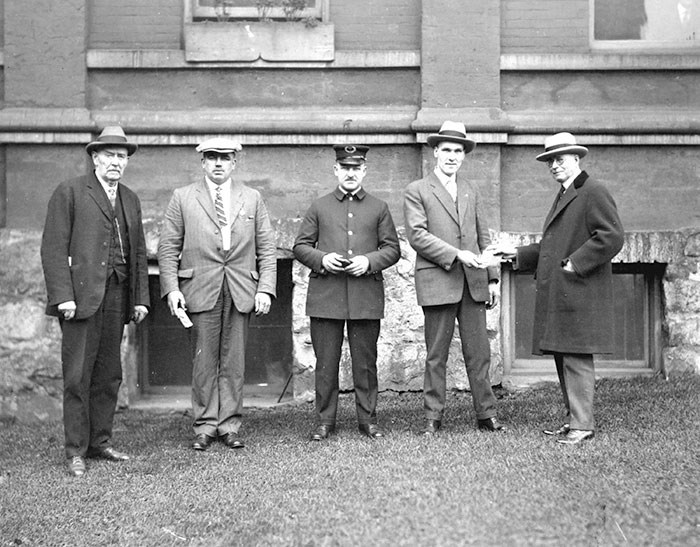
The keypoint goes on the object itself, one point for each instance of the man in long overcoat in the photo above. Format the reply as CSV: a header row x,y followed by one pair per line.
x,y
94,257
217,258
347,238
572,263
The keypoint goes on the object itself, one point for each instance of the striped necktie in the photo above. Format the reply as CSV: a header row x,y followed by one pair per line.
x,y
219,206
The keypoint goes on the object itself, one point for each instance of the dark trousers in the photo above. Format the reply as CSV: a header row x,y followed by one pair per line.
x,y
577,381
218,366
439,329
327,340
92,371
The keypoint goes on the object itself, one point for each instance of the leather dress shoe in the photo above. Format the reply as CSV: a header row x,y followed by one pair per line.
x,y
576,436
373,431
563,430
491,424
232,440
109,453
321,432
76,466
202,442
431,427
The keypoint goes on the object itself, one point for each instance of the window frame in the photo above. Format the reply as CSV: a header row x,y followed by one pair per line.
x,y
637,46
195,12
542,365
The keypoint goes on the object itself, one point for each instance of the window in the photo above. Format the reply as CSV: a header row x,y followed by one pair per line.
x,y
253,9
641,24
637,289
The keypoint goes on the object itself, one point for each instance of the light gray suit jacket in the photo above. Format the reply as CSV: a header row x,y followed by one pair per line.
x,y
190,252
437,228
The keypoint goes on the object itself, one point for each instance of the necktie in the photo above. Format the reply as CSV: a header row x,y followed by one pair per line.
x,y
219,206
112,194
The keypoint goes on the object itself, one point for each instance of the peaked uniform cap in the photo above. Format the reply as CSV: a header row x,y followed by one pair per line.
x,y
112,135
350,154
452,132
561,143
222,145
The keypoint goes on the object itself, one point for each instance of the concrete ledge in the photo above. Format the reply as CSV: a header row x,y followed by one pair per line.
x,y
175,58
599,61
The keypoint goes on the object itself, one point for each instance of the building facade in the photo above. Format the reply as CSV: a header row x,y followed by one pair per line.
x,y
622,75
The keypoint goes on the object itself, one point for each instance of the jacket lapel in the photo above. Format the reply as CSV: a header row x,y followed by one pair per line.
x,y
95,191
204,199
236,202
443,196
561,203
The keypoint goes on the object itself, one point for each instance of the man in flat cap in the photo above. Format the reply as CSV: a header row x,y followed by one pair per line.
x,y
217,258
347,238
447,226
574,301
93,253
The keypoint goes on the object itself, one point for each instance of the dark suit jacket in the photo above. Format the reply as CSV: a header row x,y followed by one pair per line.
x,y
437,229
75,246
190,255
574,311
364,226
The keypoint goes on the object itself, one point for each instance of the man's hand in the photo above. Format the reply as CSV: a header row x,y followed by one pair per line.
x,y
493,296
469,259
140,313
504,249
176,300
358,266
67,309
263,303
334,263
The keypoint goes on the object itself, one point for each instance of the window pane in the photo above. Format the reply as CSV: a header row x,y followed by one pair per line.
x,y
674,21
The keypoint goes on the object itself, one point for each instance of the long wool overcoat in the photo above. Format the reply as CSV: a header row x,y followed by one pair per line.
x,y
574,311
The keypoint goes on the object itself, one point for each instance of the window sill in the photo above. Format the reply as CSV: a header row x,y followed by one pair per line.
x,y
253,40
600,61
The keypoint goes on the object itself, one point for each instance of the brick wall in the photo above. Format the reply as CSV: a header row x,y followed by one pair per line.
x,y
157,24
134,24
544,26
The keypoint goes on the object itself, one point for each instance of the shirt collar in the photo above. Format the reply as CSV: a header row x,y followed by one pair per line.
x,y
443,178
340,194
213,186
568,182
105,184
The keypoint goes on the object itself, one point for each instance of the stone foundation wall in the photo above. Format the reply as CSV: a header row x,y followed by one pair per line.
x,y
30,367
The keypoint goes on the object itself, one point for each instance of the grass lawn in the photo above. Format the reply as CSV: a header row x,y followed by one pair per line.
x,y
636,483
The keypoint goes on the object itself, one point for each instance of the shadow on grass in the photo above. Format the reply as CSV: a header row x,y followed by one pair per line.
x,y
636,483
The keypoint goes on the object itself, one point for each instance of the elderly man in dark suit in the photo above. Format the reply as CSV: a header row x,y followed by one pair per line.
x,y
347,238
574,303
217,258
94,257
446,225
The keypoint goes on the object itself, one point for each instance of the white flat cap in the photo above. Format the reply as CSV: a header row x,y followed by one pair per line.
x,y
221,145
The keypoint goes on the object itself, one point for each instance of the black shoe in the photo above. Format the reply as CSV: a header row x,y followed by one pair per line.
x,y
202,442
321,432
76,466
563,430
491,424
109,453
431,427
373,431
232,440
576,436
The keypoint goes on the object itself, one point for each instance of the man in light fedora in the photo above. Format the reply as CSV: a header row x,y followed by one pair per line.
x,y
574,302
447,227
94,257
217,258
